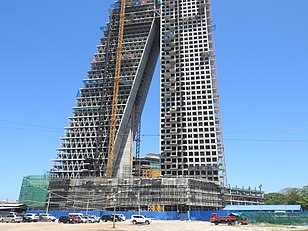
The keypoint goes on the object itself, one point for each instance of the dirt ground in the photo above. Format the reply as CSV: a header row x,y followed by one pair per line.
x,y
154,226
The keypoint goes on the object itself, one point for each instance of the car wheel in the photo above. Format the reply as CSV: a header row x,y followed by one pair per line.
x,y
147,222
13,221
134,222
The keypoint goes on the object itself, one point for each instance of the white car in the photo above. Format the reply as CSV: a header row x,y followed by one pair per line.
x,y
47,217
96,219
139,219
12,218
90,219
33,216
121,216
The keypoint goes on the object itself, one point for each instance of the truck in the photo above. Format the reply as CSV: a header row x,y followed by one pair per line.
x,y
217,219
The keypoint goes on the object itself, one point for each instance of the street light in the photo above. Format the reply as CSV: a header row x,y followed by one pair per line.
x,y
114,208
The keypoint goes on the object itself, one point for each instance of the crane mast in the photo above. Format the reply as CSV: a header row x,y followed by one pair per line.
x,y
117,77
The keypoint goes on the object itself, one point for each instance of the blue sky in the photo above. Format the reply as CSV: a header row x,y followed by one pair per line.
x,y
261,51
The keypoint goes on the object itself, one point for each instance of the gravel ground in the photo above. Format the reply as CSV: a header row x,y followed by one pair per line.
x,y
154,226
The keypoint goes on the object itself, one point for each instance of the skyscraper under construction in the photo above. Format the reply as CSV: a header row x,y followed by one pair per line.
x,y
115,91
191,140
98,143
191,143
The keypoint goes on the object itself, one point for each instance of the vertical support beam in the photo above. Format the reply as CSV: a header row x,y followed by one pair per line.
x,y
131,144
137,172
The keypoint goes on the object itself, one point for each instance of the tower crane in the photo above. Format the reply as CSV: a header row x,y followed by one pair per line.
x,y
117,79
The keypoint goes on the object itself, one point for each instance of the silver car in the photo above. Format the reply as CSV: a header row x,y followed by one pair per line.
x,y
12,218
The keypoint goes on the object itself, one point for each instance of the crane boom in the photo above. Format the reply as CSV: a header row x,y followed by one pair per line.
x,y
113,119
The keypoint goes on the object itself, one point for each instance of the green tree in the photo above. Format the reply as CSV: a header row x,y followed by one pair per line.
x,y
303,200
289,196
275,198
292,195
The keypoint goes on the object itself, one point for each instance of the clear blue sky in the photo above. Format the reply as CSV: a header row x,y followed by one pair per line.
x,y
261,51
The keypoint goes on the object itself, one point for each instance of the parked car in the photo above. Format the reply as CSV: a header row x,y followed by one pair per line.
x,y
26,219
79,216
139,219
12,218
1,219
121,217
33,216
47,217
66,219
107,218
76,219
90,219
96,219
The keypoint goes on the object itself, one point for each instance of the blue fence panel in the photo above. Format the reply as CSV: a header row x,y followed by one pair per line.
x,y
200,215
166,215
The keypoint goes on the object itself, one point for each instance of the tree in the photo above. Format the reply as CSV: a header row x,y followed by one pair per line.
x,y
292,195
303,200
275,198
289,196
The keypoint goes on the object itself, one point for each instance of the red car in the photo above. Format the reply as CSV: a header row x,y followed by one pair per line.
x,y
76,219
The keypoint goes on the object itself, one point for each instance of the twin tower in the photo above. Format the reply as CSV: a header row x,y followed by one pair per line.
x,y
180,32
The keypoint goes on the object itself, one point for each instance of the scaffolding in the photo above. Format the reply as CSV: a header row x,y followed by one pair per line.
x,y
84,148
167,194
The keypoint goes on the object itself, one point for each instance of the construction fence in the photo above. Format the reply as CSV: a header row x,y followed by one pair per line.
x,y
294,218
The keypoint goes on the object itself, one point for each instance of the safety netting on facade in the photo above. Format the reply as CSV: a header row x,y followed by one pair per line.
x,y
33,191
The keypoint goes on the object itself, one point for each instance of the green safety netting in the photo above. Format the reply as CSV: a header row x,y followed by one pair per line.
x,y
280,218
33,191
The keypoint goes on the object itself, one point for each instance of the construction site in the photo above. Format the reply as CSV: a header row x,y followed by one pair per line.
x,y
99,165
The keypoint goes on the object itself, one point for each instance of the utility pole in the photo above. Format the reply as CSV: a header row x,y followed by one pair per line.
x,y
87,207
114,207
138,202
48,202
114,213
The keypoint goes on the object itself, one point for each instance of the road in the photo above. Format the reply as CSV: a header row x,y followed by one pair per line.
x,y
154,226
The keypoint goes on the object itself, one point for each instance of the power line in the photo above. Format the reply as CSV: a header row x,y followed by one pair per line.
x,y
28,129
157,135
61,129
27,124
